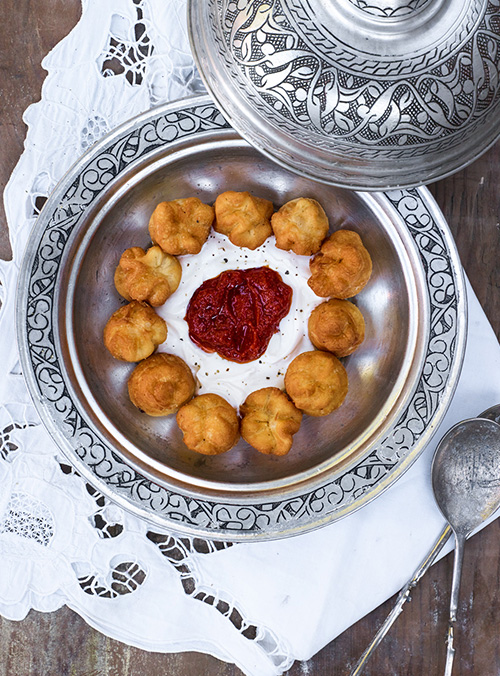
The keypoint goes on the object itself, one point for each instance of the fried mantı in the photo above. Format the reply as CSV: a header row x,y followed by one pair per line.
x,y
151,275
316,382
134,332
269,421
161,384
181,226
209,424
300,225
336,326
243,218
342,267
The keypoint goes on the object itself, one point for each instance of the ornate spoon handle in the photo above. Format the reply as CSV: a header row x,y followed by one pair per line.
x,y
403,596
455,590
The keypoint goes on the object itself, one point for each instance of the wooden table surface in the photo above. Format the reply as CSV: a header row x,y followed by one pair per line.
x,y
62,643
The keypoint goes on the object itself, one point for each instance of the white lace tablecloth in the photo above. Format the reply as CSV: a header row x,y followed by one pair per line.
x,y
263,605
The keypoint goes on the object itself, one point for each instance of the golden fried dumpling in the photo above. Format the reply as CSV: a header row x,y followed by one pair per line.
x,y
161,384
269,421
300,225
243,218
151,275
181,226
209,423
342,267
316,382
134,332
336,326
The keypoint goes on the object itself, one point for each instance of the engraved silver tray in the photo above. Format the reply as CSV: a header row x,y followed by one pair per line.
x,y
401,381
365,94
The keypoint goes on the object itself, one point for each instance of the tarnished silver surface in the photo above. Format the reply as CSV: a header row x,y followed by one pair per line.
x,y
466,473
400,382
466,484
365,94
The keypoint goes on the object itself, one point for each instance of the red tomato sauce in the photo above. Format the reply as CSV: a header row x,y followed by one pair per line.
x,y
236,313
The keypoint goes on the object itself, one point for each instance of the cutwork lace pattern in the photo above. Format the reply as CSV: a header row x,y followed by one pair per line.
x,y
126,56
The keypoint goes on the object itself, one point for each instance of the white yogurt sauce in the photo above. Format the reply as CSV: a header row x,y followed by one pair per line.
x,y
229,379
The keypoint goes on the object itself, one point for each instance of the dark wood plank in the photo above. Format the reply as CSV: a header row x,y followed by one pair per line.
x,y
29,31
62,643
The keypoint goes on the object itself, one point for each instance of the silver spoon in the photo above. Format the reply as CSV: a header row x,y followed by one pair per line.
x,y
466,483
492,414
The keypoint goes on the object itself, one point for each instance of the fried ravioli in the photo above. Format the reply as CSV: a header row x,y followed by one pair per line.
x,y
161,384
336,326
269,421
316,382
300,225
243,218
181,226
134,332
209,424
150,276
342,267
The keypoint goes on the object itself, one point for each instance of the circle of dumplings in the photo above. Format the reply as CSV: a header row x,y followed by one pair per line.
x,y
339,264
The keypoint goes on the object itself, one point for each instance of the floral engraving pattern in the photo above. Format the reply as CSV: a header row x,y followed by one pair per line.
x,y
204,516
310,82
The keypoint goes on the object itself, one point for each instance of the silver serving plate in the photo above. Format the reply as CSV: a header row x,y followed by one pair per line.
x,y
401,380
364,94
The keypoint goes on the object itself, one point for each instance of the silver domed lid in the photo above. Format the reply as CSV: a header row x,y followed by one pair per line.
x,y
366,94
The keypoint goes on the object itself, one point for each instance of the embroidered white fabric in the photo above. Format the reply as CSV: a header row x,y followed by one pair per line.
x,y
61,542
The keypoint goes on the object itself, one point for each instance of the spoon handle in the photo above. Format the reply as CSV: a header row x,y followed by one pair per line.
x,y
455,591
403,596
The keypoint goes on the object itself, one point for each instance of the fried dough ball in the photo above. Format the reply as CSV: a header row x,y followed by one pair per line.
x,y
300,225
316,382
210,425
336,326
269,421
134,332
342,267
181,226
150,275
161,384
243,218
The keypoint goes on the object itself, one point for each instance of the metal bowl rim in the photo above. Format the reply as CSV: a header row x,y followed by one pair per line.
x,y
158,519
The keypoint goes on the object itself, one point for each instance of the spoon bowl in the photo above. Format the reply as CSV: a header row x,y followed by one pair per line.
x,y
466,473
466,484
